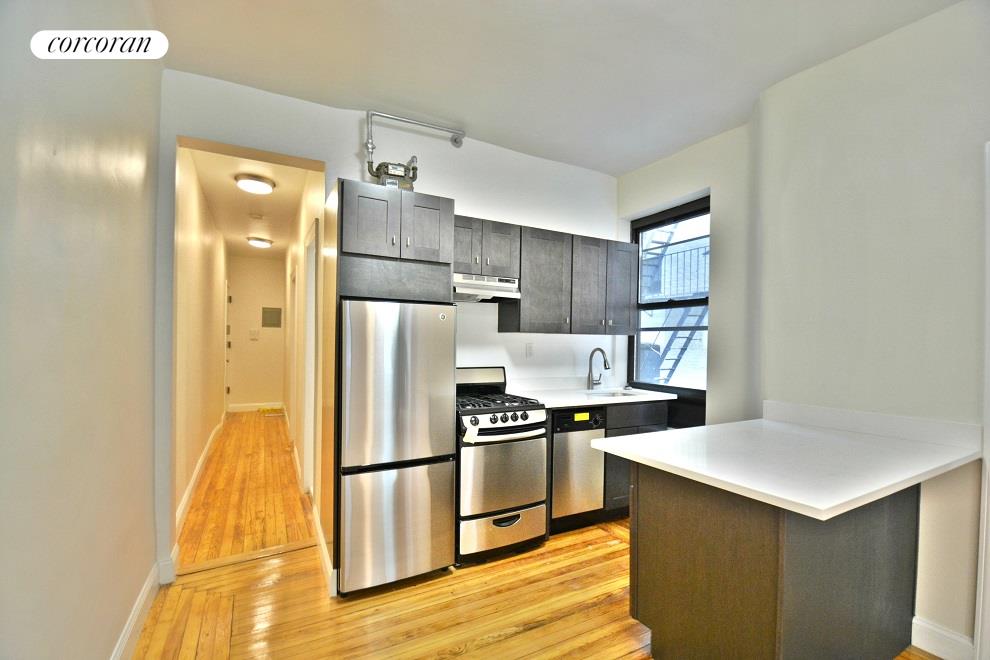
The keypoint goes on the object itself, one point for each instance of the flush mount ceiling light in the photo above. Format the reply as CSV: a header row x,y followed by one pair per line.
x,y
254,241
256,185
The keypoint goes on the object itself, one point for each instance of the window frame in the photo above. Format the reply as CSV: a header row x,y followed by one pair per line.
x,y
685,211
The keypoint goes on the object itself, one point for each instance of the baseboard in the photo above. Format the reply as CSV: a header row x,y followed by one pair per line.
x,y
329,574
128,639
250,407
941,641
183,508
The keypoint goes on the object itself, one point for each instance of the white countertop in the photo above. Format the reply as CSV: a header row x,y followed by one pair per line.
x,y
815,471
568,398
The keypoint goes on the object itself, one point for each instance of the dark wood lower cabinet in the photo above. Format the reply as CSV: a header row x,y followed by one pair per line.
x,y
718,575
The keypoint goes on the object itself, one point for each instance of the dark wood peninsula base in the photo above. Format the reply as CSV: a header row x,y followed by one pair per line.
x,y
718,575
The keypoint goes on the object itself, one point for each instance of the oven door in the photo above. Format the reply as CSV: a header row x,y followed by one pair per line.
x,y
495,477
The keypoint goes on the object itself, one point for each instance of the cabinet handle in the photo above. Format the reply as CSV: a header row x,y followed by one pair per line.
x,y
393,239
610,321
477,260
408,241
567,320
488,261
603,321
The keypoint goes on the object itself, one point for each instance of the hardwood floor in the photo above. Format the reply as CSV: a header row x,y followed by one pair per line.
x,y
568,598
248,496
913,653
251,583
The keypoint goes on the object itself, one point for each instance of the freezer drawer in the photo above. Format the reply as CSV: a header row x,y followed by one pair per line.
x,y
578,473
397,382
395,524
503,476
499,531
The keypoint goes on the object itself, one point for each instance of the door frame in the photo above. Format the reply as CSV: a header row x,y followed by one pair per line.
x,y
981,627
310,355
164,368
226,345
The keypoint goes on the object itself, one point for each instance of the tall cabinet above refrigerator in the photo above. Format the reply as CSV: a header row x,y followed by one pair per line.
x,y
397,442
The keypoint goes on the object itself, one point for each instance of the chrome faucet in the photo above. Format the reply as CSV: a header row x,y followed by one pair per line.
x,y
592,381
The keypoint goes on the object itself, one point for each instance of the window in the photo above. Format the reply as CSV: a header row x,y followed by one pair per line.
x,y
671,346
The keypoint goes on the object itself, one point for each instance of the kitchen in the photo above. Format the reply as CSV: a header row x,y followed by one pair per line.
x,y
520,470
842,162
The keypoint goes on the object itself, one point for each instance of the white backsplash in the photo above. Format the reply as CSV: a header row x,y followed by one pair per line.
x,y
534,361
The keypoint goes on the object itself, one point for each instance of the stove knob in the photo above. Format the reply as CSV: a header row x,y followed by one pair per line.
x,y
505,417
494,419
515,417
524,416
596,421
474,421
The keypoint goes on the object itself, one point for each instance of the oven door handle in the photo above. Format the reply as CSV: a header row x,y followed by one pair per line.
x,y
507,521
482,439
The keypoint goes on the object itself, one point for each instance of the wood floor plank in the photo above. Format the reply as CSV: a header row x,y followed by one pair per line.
x,y
248,497
177,627
157,630
208,628
914,653
194,623
225,616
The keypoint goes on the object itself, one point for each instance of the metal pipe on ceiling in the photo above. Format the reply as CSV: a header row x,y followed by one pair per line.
x,y
456,134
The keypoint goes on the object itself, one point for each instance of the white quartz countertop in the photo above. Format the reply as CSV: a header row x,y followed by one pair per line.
x,y
815,471
573,398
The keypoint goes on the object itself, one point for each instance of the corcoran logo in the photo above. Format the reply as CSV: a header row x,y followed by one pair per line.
x,y
99,45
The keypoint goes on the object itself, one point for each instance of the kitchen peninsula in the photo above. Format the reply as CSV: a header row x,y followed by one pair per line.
x,y
790,536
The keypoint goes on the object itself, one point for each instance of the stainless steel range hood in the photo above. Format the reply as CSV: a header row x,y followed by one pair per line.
x,y
473,288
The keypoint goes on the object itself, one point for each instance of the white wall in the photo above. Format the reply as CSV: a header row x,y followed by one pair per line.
x,y
721,167
78,142
293,386
257,365
871,190
847,218
485,180
200,271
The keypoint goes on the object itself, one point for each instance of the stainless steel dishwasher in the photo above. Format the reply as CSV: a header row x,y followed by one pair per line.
x,y
578,470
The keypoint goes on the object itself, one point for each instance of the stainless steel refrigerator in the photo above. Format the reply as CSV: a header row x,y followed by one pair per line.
x,y
397,442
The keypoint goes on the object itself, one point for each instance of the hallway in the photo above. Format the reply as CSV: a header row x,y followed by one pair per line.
x,y
247,498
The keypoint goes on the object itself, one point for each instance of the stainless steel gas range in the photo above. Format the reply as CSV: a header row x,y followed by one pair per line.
x,y
502,465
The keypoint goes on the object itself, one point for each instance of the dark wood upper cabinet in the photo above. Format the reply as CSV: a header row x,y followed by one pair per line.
x,y
427,227
388,222
545,285
500,249
485,247
370,219
622,290
588,285
467,245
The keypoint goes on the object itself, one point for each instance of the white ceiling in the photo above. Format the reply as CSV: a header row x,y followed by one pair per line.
x,y
232,208
608,85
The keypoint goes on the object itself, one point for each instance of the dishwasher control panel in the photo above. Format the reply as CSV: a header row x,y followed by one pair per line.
x,y
579,420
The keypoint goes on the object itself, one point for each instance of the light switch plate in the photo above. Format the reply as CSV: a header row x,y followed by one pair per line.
x,y
254,334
